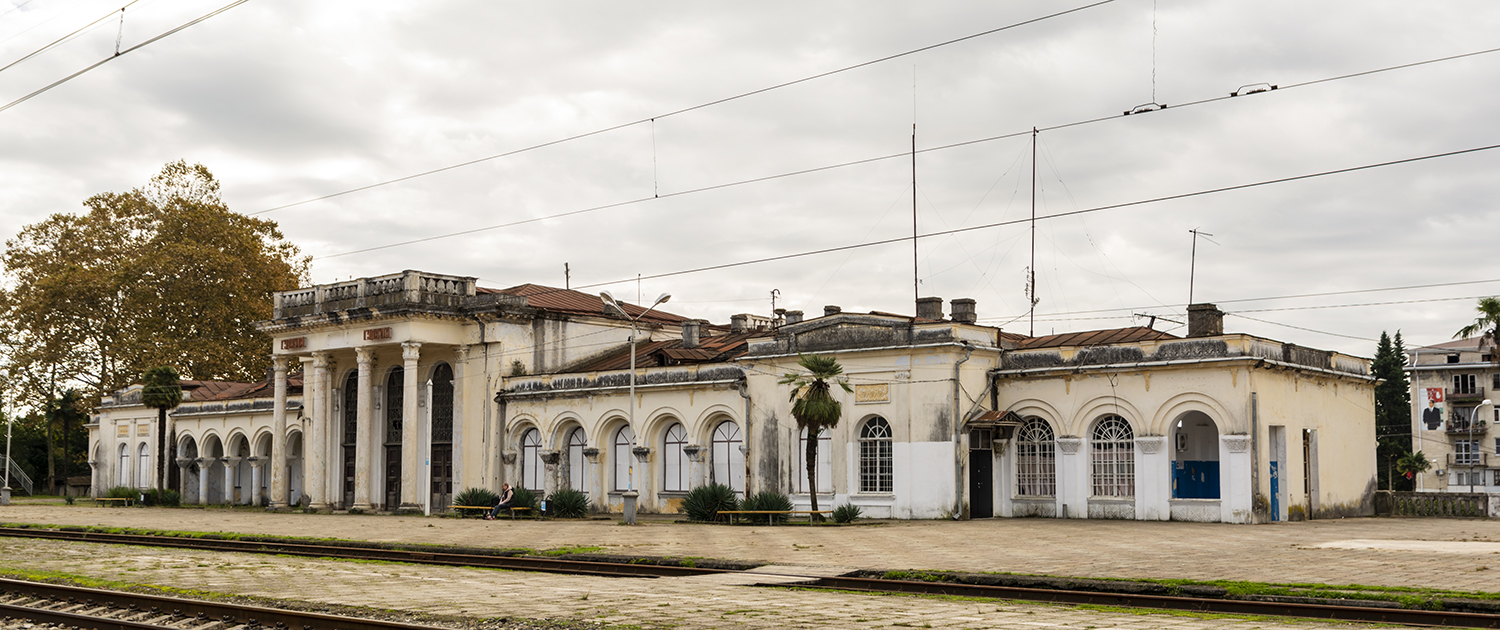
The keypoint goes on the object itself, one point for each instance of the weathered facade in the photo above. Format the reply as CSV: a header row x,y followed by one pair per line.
x,y
414,386
1450,420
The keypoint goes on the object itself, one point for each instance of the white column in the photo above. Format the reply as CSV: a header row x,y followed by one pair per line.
x,y
333,450
1235,494
411,428
365,357
314,444
1153,479
1072,478
460,369
183,463
231,468
278,437
205,464
257,475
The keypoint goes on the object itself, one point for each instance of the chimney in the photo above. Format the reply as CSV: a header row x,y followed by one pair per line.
x,y
962,311
1205,320
739,323
930,308
831,310
794,317
691,331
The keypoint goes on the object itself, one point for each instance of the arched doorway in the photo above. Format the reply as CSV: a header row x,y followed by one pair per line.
x,y
350,432
191,474
395,402
442,436
1195,457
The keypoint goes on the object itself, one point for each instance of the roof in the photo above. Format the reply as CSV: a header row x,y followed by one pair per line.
x,y
232,390
1471,343
1096,338
670,352
579,303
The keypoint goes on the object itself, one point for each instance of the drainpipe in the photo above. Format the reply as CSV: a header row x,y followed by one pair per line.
x,y
745,393
958,454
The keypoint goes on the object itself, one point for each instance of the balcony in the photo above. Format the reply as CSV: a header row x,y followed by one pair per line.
x,y
1468,460
1460,426
408,288
1471,396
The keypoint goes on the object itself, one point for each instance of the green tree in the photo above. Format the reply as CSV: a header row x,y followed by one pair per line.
x,y
161,390
165,274
64,417
1487,325
1392,409
815,407
1413,464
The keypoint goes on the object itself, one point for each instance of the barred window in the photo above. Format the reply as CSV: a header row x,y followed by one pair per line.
x,y
1036,460
442,404
1113,450
395,403
674,462
531,459
876,462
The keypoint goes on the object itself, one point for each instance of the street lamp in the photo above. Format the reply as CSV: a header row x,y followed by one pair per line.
x,y
609,302
1473,448
5,489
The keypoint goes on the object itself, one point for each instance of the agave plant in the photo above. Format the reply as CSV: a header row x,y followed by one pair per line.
x,y
568,503
704,503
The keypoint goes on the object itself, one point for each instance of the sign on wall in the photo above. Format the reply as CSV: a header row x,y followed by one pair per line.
x,y
1432,408
143,430
295,343
376,334
122,430
872,393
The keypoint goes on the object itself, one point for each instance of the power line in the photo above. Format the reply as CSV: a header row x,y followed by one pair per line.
x,y
69,35
1321,332
122,53
652,119
765,178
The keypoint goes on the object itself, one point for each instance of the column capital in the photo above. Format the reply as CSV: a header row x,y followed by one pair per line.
x,y
278,363
461,353
320,359
364,357
411,351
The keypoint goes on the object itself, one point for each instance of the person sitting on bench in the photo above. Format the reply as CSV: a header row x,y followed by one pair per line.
x,y
502,502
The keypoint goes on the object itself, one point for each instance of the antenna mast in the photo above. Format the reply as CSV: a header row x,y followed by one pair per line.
x,y
1193,260
1031,270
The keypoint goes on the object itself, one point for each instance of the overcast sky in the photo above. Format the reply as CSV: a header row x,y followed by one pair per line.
x,y
288,101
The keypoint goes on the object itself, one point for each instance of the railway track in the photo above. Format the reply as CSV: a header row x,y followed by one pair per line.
x,y
250,617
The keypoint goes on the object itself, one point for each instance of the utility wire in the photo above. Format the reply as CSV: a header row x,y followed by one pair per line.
x,y
687,109
122,53
806,171
70,35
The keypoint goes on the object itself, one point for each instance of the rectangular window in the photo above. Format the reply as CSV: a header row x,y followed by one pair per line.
x,y
1453,358
1495,381
1496,480
1465,452
875,466
1464,384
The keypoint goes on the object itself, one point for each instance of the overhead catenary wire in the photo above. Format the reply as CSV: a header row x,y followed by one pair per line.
x,y
64,38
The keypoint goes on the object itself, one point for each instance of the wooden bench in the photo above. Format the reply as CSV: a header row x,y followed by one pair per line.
x,y
102,501
488,508
735,513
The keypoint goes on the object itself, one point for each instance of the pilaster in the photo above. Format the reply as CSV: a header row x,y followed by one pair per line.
x,y
1153,479
460,369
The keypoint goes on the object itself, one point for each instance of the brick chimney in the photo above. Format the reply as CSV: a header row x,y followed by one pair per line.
x,y
962,311
1205,320
930,308
692,330
794,317
831,310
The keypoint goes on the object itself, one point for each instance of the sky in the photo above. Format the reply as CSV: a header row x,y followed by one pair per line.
x,y
291,102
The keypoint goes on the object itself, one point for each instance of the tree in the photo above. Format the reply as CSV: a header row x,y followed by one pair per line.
x,y
1487,325
69,411
814,406
1413,464
165,274
161,390
1392,408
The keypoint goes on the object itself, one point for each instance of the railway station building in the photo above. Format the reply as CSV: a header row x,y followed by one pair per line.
x,y
393,393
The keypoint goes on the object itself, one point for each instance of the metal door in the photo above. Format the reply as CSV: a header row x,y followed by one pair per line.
x,y
981,475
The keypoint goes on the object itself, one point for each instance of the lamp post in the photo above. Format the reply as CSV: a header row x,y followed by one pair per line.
x,y
609,301
5,489
1473,448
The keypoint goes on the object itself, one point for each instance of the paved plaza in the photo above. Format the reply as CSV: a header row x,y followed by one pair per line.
x,y
1441,553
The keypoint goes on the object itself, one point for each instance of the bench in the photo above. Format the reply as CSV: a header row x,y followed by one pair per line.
x,y
485,508
735,513
102,501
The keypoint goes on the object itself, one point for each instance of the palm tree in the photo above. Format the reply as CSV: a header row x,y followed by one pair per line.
x,y
161,389
814,407
1413,464
1487,325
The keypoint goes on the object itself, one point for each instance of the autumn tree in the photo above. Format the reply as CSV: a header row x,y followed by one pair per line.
x,y
164,274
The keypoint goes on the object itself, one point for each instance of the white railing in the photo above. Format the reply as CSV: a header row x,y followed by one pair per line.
x,y
407,287
16,474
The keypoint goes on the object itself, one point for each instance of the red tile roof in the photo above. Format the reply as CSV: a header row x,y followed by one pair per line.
x,y
579,303
1096,338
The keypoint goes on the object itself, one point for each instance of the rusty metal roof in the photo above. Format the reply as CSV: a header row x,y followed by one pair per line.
x,y
1096,338
233,390
579,303
715,349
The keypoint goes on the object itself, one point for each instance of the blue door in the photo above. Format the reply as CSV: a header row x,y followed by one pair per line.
x,y
1275,491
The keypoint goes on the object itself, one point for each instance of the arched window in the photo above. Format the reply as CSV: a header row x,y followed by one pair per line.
x,y
145,479
876,463
395,403
1113,450
825,462
674,462
1036,461
728,459
531,460
442,435
122,473
621,456
578,464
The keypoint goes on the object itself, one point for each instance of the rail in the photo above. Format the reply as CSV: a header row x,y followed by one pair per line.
x,y
16,474
1450,504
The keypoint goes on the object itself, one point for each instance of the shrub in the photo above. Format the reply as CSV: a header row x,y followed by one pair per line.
x,y
768,500
122,492
68,499
704,503
524,498
846,513
568,503
170,498
479,497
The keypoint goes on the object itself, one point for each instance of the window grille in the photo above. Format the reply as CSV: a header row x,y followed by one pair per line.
x,y
876,462
442,404
531,460
351,411
674,462
1113,450
621,456
728,459
577,463
1036,460
395,400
